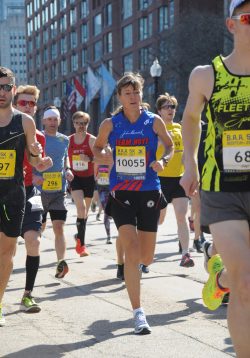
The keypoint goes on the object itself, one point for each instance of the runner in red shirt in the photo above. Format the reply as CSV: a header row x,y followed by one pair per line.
x,y
82,166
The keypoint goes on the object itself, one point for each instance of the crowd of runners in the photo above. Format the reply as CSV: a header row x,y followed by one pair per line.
x,y
138,163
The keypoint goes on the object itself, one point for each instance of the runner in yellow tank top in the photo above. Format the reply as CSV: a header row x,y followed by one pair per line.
x,y
170,177
225,198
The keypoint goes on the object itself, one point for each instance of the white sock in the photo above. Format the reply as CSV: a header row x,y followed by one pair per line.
x,y
140,309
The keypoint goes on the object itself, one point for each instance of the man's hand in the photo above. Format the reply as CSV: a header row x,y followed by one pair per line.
x,y
35,149
190,181
44,164
69,175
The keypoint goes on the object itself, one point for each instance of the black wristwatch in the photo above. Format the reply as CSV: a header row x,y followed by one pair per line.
x,y
165,161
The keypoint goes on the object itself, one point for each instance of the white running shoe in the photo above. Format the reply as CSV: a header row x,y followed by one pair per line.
x,y
141,324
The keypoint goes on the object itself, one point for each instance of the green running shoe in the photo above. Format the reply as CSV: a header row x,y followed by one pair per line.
x,y
212,295
2,319
28,304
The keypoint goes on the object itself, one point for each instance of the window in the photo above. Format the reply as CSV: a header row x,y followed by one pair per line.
x,y
53,9
109,44
53,29
54,71
63,45
37,40
45,36
144,4
63,22
108,14
45,55
127,34
127,8
128,62
72,16
143,58
63,4
85,8
97,50
74,62
171,13
73,39
53,51
110,66
63,67
84,56
97,24
145,27
85,32
163,18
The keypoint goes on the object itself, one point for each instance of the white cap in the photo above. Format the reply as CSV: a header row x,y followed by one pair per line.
x,y
51,112
233,5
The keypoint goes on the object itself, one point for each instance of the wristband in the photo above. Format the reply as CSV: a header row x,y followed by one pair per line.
x,y
34,155
165,161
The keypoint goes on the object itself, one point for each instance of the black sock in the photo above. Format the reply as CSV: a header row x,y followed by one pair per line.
x,y
81,228
32,265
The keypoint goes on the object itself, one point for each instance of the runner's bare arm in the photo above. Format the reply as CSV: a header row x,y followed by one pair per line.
x,y
103,156
160,129
200,89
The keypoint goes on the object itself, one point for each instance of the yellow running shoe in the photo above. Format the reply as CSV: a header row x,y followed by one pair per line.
x,y
212,295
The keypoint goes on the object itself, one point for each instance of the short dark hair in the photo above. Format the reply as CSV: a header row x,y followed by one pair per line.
x,y
6,72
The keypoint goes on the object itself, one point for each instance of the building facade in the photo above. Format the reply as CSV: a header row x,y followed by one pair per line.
x,y
13,38
64,37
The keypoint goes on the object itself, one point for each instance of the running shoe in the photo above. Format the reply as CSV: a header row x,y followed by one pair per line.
x,y
141,324
202,238
206,246
198,246
2,319
120,272
108,240
212,294
144,268
191,224
28,304
83,252
98,217
62,269
187,261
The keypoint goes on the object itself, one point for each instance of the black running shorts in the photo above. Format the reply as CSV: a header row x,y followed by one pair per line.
x,y
137,208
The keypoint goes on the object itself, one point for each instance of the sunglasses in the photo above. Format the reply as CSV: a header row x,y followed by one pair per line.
x,y
81,123
7,87
24,103
244,18
169,106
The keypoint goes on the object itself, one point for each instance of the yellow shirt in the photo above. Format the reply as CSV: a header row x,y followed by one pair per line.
x,y
175,167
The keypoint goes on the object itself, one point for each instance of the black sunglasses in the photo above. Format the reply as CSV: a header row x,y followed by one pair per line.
x,y
167,106
7,87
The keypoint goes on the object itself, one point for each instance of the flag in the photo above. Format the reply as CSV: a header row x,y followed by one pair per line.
x,y
80,92
93,86
64,110
71,97
107,89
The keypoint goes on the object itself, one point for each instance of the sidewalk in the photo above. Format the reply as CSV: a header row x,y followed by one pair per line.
x,y
88,312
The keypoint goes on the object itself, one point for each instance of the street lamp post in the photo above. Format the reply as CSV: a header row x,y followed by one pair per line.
x,y
155,72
